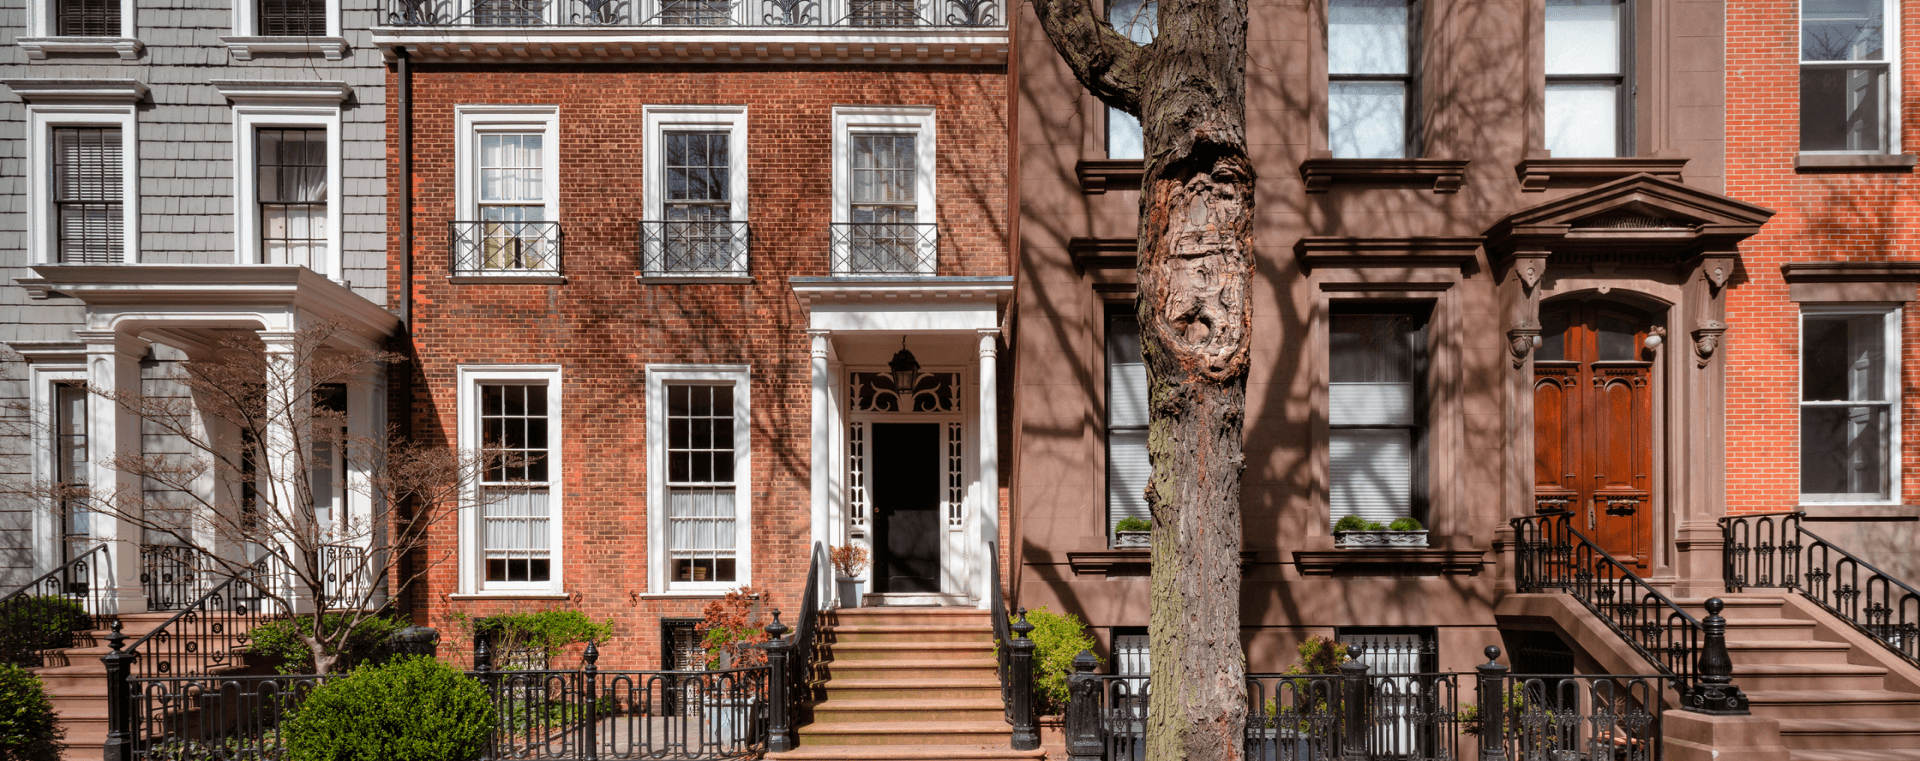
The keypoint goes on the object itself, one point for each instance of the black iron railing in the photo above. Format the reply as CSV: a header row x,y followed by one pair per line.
x,y
345,575
213,632
874,14
885,248
505,248
57,609
174,576
791,662
210,717
693,247
1552,556
1002,634
1775,551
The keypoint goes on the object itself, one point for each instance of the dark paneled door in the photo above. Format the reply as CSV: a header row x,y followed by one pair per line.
x,y
1593,424
905,470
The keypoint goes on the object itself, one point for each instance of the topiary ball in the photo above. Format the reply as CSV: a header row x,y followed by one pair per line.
x,y
411,709
29,730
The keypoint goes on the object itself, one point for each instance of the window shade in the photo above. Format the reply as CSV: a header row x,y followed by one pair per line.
x,y
1128,468
1127,473
1370,403
1369,473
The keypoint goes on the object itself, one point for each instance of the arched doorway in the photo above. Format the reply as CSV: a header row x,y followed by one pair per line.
x,y
1593,423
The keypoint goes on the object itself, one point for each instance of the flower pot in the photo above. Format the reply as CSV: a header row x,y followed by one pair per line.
x,y
1132,539
851,591
1379,539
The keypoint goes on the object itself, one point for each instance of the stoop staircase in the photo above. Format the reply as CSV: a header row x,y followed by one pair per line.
x,y
908,683
1829,708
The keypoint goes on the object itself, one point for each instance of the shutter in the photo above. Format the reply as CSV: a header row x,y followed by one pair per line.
x,y
1370,403
1127,474
1369,474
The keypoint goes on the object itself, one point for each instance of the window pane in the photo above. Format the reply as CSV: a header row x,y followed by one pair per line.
x,y
1582,120
1124,139
1370,473
1843,358
87,18
1616,339
1843,452
1367,120
87,186
1553,338
1137,20
1840,108
293,18
1842,30
1367,37
1126,373
1128,471
1583,37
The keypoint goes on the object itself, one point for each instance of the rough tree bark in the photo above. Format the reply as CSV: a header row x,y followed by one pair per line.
x,y
1188,87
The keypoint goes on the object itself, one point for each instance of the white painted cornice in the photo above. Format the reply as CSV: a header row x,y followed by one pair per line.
x,y
323,92
158,296
78,90
694,44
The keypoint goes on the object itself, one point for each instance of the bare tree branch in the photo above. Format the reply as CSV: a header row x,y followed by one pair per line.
x,y
1104,60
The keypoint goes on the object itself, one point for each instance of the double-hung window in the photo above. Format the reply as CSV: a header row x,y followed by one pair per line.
x,y
696,182
1587,89
292,18
1849,411
86,18
507,196
88,195
1370,78
70,472
1845,69
1139,20
291,171
883,192
1377,413
699,473
287,139
1127,466
511,418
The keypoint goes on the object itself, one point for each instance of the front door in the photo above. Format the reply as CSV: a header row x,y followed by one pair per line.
x,y
907,471
1593,420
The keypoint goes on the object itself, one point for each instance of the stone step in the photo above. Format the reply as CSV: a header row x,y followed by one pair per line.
x,y
982,752
1768,676
1837,754
882,651
933,616
909,710
1850,734
1738,606
908,633
942,732
1788,651
931,668
1770,629
899,689
1859,705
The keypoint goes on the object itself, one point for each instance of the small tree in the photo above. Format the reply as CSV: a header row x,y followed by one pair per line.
x,y
241,431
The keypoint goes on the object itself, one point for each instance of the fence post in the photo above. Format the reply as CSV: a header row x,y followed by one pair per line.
x,y
1083,711
1493,707
1353,701
592,675
779,729
1713,691
120,713
1026,733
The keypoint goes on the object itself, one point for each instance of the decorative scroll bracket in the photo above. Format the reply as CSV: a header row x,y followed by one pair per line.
x,y
1530,266
1706,340
1520,339
1717,269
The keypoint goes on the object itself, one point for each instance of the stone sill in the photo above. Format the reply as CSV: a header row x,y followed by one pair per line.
x,y
245,48
1445,175
1537,172
1101,175
38,48
693,279
1125,562
1857,162
511,596
507,279
1315,252
1383,560
1826,512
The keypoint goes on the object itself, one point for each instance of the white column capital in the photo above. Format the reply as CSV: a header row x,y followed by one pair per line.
x,y
112,342
818,346
989,341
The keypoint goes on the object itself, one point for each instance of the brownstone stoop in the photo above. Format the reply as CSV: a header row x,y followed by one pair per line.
x,y
908,683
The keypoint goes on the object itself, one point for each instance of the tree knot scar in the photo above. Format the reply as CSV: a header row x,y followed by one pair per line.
x,y
1208,267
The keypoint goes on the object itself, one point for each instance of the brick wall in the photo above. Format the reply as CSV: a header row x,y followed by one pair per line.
x,y
1834,216
602,327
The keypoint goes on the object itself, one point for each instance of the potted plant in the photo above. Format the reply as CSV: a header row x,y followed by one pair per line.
x,y
1354,531
732,631
1132,532
849,560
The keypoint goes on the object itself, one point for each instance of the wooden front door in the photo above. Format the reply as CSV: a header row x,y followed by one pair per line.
x,y
1593,424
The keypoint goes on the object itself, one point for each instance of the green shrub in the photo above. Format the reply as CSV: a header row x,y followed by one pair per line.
x,y
1356,523
1319,655
412,709
1057,639
1405,524
28,729
282,640
49,620
1133,524
541,635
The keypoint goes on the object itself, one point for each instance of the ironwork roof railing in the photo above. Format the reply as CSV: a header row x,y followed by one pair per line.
x,y
878,15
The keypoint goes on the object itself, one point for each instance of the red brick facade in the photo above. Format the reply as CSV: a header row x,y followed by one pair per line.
x,y
602,327
1848,215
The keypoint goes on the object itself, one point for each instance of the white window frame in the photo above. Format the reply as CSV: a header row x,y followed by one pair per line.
x,y
42,226
248,119
1893,456
46,523
40,38
659,562
470,122
472,554
919,120
247,41
1892,101
658,120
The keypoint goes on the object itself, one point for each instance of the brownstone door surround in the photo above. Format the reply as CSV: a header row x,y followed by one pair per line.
x,y
1593,422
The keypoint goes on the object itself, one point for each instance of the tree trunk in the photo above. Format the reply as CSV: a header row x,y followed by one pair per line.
x,y
1188,87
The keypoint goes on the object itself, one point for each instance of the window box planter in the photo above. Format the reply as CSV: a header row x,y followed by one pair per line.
x,y
1132,538
1379,539
850,590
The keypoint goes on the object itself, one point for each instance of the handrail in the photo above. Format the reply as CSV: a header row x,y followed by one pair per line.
x,y
1772,550
82,589
224,615
1002,634
807,636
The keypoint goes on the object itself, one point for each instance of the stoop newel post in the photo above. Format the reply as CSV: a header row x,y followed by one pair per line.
x,y
779,722
1713,691
120,697
1353,706
1493,707
1083,711
1026,732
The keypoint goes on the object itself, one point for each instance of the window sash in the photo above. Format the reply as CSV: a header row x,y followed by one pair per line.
x,y
1367,119
702,493
292,18
1844,107
1849,413
291,169
516,535
512,167
87,18
88,187
1140,22
1128,466
884,170
1843,34
697,167
1583,118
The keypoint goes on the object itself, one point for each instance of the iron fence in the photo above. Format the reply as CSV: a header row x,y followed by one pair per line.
x,y
173,576
873,14
885,248
693,247
1776,551
345,574
1554,717
213,632
505,248
56,610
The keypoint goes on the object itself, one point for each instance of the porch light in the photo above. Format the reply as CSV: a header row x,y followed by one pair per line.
x,y
905,369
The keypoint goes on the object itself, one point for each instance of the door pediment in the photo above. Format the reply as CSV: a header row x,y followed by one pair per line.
x,y
1633,217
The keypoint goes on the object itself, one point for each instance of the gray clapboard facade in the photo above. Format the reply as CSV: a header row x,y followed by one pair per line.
x,y
157,157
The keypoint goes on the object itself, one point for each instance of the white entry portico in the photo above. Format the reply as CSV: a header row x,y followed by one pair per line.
x,y
951,327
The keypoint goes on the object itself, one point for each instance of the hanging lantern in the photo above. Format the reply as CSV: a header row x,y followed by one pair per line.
x,y
906,370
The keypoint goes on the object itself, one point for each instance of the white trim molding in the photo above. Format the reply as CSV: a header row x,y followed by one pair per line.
x,y
658,120
936,46
261,106
659,563
472,554
916,120
94,91
280,92
115,109
1892,399
247,41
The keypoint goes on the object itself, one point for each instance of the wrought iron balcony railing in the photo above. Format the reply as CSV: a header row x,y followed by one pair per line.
x,y
885,248
875,14
505,248
693,247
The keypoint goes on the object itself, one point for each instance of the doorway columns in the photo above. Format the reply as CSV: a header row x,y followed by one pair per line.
x,y
989,433
822,458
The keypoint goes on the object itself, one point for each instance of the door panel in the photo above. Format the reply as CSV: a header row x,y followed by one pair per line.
x,y
1593,420
907,472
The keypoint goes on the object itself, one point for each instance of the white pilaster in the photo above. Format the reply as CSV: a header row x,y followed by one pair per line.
x,y
287,447
364,521
822,453
989,462
113,368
